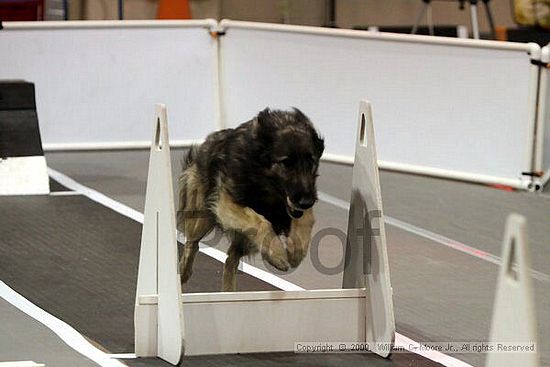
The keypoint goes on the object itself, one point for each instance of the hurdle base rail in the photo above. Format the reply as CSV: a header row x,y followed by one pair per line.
x,y
252,322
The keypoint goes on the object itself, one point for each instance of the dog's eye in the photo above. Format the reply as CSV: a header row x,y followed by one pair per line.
x,y
286,161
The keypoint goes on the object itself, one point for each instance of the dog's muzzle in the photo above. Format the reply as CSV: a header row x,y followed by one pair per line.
x,y
292,210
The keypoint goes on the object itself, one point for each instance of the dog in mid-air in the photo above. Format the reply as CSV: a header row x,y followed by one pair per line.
x,y
257,182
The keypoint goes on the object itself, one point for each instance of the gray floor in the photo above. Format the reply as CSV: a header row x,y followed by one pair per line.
x,y
440,294
24,339
472,214
84,256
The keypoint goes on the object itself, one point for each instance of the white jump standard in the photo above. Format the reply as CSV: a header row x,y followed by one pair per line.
x,y
169,324
159,329
514,317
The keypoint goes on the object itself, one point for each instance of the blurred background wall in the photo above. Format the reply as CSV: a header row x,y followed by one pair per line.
x,y
349,13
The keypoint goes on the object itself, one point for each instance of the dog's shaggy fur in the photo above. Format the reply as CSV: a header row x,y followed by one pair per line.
x,y
256,182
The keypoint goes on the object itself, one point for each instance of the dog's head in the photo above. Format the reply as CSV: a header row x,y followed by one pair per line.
x,y
293,151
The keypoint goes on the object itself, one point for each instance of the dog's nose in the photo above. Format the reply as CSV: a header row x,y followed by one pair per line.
x,y
306,203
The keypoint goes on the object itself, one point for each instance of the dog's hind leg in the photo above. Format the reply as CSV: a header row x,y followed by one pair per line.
x,y
238,249
194,220
194,230
186,261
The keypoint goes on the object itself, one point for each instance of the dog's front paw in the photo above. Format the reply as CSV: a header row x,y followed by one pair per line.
x,y
295,251
276,255
278,258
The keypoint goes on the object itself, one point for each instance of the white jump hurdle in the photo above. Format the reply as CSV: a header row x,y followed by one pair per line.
x,y
514,318
169,324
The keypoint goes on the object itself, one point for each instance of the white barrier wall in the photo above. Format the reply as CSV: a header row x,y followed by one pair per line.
x,y
461,109
455,108
96,82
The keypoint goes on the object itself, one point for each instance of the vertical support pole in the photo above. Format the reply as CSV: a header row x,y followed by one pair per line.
x,y
490,19
159,333
330,13
473,19
120,9
65,9
366,264
514,318
430,20
420,15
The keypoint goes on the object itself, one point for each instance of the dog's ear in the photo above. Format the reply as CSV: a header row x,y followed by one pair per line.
x,y
264,119
300,116
319,144
318,141
264,127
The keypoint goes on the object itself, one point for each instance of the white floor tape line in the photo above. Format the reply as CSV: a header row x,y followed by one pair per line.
x,y
121,355
22,364
65,193
69,335
95,196
455,245
400,340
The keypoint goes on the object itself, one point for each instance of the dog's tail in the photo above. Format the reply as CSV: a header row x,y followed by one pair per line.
x,y
187,161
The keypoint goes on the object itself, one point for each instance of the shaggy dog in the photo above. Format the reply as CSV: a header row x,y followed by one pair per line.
x,y
257,183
